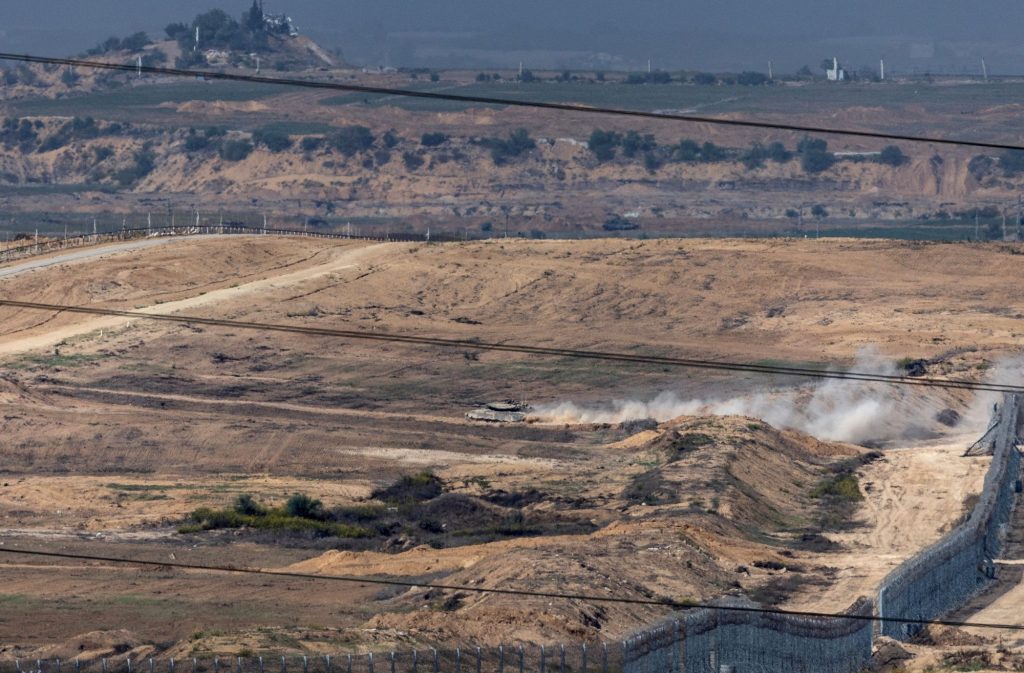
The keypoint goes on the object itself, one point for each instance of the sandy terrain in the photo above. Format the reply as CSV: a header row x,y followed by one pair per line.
x,y
124,430
912,497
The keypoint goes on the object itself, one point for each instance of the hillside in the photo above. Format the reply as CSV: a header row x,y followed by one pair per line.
x,y
470,174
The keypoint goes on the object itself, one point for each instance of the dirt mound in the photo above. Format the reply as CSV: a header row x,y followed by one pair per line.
x,y
949,636
96,645
889,656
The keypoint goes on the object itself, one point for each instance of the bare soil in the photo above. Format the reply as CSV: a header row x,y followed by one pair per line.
x,y
113,433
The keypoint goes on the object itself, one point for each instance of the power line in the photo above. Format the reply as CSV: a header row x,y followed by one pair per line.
x,y
522,593
490,100
473,344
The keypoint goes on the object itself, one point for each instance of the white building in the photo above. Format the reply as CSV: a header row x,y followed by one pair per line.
x,y
835,73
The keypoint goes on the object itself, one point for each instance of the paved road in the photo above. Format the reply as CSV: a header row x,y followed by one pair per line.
x,y
81,255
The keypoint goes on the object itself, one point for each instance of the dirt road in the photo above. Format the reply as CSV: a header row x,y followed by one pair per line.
x,y
912,497
342,259
80,255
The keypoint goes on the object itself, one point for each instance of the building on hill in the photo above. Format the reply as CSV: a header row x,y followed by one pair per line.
x,y
280,24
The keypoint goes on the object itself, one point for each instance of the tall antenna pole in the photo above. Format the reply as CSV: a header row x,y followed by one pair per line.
x,y
984,70
770,77
648,66
195,47
881,69
138,67
1018,216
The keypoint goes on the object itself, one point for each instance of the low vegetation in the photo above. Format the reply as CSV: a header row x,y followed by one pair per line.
x,y
415,509
838,494
301,513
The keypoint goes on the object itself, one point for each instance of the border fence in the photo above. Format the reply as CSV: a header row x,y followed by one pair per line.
x,y
54,244
945,575
709,640
578,658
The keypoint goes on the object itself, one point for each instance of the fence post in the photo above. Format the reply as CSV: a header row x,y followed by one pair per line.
x,y
392,661
327,662
78,666
561,658
675,647
195,665
370,661
170,666
501,659
103,665
216,665
437,662
415,661
305,664
349,668
458,660
261,664
238,665
542,652
604,657
284,666
521,662
478,659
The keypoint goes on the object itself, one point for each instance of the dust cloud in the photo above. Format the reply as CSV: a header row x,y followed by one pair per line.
x,y
831,409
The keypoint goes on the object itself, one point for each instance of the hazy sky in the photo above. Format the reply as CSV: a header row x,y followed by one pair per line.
x,y
720,34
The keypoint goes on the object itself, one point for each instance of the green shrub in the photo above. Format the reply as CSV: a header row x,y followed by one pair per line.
x,y
603,143
272,139
844,487
892,156
350,140
235,150
710,153
633,143
311,143
415,488
412,160
504,149
433,139
305,507
247,505
814,155
778,153
195,142
687,151
755,156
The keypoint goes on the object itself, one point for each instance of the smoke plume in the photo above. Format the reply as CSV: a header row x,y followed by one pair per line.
x,y
831,409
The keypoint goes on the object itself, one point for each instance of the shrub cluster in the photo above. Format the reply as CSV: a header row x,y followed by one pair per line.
x,y
272,139
134,42
301,513
505,149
